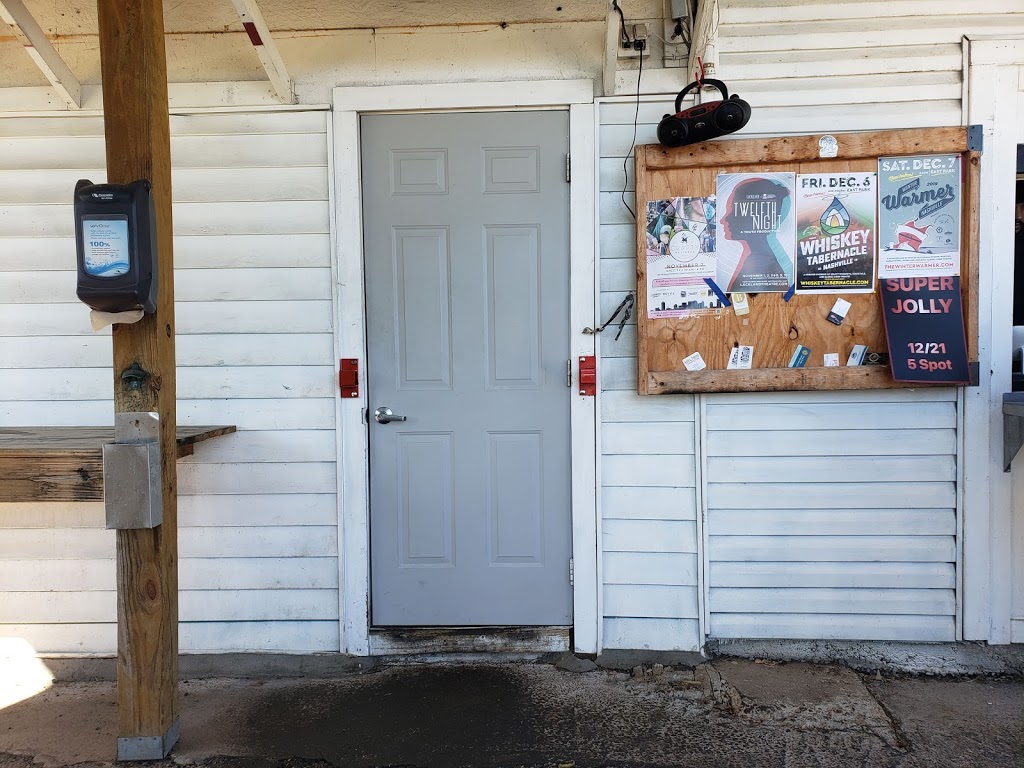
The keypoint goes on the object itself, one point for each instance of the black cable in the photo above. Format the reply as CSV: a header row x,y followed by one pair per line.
x,y
636,120
622,20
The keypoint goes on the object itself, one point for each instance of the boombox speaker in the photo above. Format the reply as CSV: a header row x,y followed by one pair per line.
x,y
704,121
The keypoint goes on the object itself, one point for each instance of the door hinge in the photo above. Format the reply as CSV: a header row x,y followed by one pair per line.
x,y
568,167
572,573
568,372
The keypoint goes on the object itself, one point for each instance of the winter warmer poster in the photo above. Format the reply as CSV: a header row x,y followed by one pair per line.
x,y
919,216
681,257
835,225
756,232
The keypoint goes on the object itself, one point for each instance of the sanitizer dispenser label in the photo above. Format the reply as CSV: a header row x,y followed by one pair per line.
x,y
105,246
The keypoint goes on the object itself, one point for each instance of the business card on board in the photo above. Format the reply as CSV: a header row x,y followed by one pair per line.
x,y
740,303
694,362
799,358
831,359
839,310
857,354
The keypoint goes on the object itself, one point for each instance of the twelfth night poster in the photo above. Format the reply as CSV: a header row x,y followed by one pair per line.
x,y
756,232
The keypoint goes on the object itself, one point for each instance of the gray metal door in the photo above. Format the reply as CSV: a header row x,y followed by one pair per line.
x,y
466,232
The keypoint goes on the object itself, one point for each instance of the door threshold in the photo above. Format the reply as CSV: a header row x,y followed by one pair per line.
x,y
394,641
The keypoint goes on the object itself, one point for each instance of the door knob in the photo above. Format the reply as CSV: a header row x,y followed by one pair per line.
x,y
384,415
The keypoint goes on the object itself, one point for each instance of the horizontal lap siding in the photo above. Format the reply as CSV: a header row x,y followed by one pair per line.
x,y
257,509
820,527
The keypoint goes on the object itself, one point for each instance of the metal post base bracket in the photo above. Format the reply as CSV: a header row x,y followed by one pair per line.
x,y
133,497
149,747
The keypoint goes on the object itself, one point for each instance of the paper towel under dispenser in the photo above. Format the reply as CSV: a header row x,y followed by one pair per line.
x,y
115,234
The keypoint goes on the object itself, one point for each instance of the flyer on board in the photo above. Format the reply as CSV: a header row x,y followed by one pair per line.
x,y
835,224
681,257
919,216
757,236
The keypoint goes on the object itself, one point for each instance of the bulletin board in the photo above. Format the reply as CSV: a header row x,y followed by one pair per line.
x,y
775,326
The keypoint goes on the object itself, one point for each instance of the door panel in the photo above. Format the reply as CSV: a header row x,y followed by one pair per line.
x,y
467,286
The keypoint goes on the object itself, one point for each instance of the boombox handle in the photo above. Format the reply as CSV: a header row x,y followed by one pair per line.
x,y
699,84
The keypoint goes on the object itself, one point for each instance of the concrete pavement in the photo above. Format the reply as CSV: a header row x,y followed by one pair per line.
x,y
730,712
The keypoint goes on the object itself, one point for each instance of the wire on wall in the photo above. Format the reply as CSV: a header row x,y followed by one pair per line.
x,y
636,120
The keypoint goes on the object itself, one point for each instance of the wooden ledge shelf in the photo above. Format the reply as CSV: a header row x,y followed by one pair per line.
x,y
66,463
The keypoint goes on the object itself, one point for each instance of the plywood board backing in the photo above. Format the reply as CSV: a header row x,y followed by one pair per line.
x,y
775,327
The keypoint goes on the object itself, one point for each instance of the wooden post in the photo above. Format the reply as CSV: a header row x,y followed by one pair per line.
x,y
134,71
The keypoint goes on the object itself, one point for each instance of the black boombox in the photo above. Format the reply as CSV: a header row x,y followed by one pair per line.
x,y
704,121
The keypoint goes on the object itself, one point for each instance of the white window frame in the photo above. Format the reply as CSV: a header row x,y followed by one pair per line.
x,y
350,330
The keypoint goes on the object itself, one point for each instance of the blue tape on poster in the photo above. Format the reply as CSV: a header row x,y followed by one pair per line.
x,y
789,294
718,292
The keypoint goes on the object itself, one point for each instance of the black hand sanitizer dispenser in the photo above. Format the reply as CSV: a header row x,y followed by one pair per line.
x,y
115,230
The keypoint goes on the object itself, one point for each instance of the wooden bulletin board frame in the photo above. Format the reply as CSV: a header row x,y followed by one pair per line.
x,y
774,327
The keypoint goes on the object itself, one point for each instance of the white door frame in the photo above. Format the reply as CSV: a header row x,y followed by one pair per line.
x,y
350,331
995,65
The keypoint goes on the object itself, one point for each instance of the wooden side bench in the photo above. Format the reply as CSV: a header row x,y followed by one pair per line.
x,y
66,463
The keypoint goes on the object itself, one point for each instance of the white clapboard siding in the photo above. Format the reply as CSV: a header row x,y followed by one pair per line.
x,y
901,575
189,185
815,600
258,509
649,536
305,636
657,601
207,605
211,151
245,573
231,218
190,252
833,626
845,490
652,634
670,568
51,514
193,383
260,414
815,519
192,318
825,522
649,503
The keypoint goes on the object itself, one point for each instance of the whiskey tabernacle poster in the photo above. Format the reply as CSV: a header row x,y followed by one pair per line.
x,y
835,224
756,232
919,216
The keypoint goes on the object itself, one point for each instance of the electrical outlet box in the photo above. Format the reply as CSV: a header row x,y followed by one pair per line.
x,y
639,31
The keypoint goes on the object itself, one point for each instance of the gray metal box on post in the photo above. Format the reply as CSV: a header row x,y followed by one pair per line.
x,y
132,495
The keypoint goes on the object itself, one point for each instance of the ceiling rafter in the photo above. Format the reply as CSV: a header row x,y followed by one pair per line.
x,y
265,47
31,35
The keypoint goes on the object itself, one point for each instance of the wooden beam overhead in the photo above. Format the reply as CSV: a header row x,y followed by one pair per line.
x,y
31,35
266,48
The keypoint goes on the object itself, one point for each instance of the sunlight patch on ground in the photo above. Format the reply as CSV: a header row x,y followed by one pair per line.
x,y
22,674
